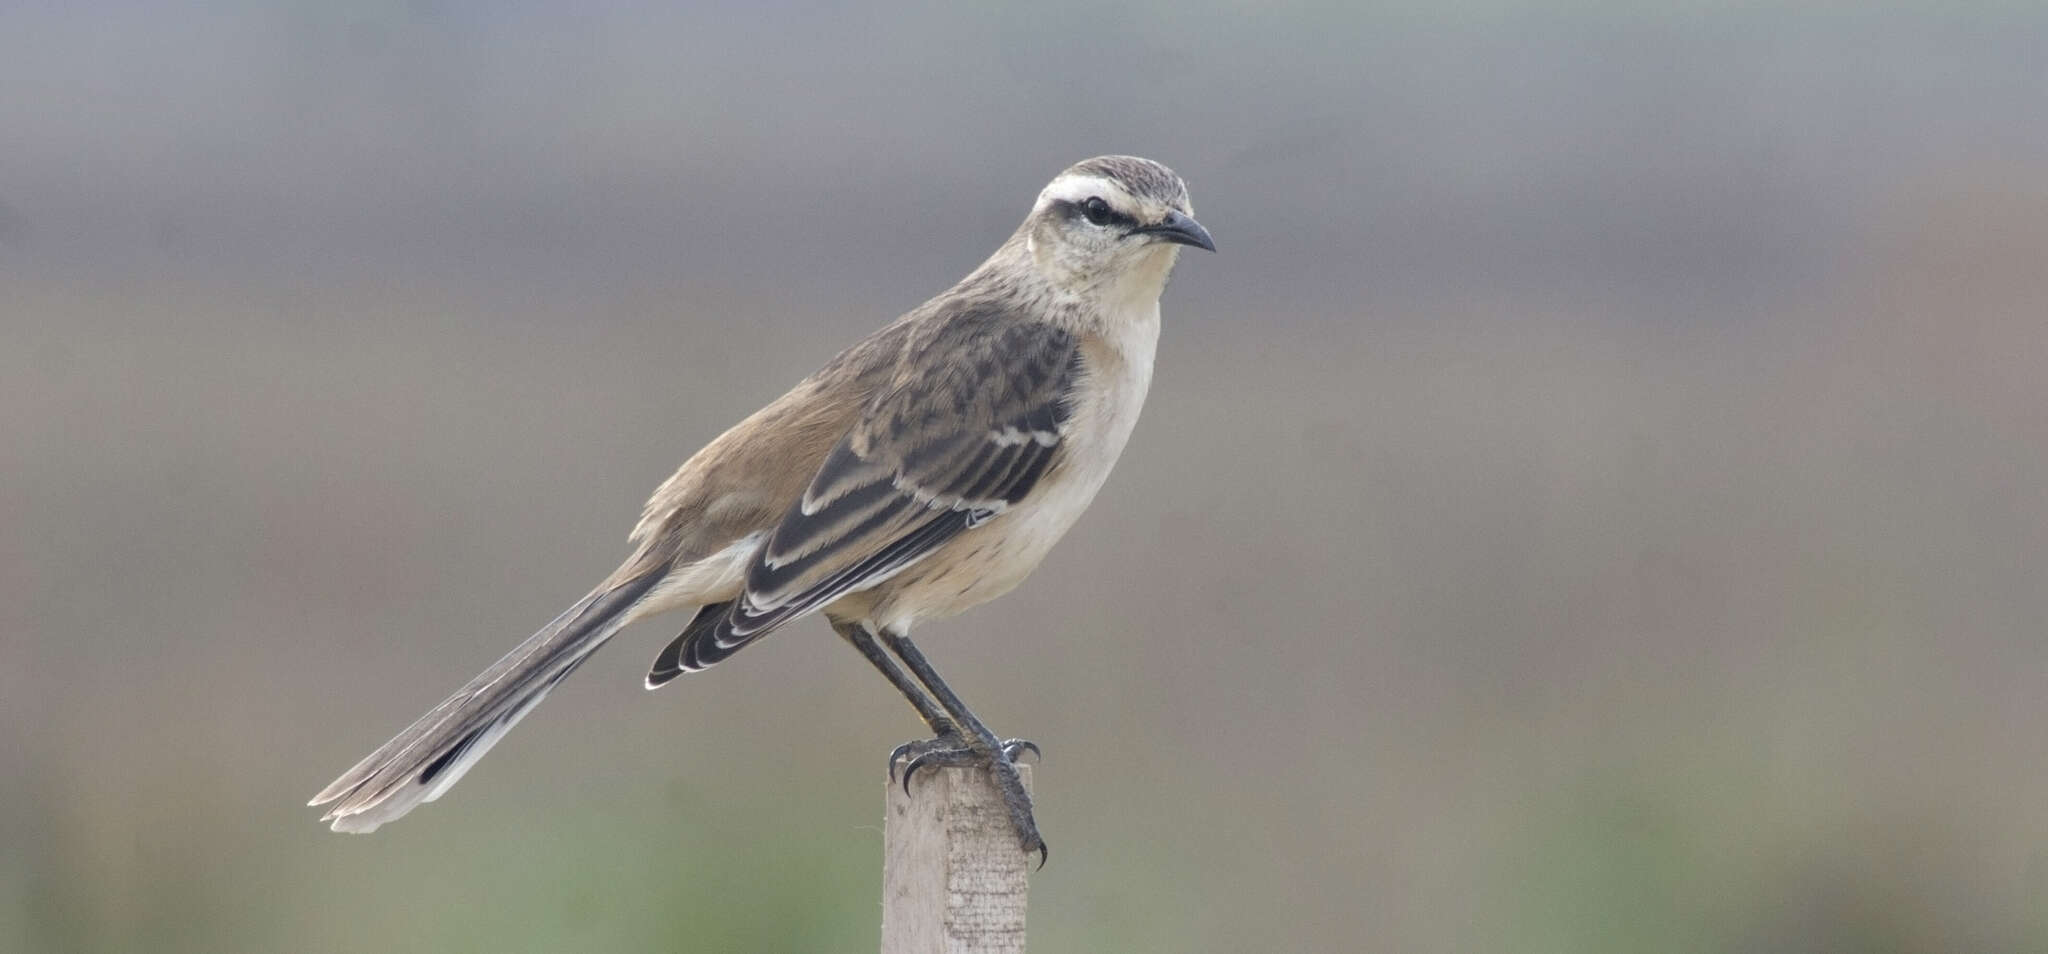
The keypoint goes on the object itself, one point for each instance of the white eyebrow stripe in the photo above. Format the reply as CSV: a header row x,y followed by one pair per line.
x,y
1075,187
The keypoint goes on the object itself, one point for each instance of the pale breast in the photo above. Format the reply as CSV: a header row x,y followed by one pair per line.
x,y
991,560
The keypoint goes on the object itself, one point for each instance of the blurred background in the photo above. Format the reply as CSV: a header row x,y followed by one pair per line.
x,y
1594,502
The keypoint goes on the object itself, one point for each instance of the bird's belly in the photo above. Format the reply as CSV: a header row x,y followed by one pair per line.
x,y
991,560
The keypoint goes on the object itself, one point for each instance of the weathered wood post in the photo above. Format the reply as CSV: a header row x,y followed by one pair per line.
x,y
953,879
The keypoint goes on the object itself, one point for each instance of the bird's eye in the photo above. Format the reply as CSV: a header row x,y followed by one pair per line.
x,y
1096,210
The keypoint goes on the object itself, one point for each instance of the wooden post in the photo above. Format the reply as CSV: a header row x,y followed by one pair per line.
x,y
953,879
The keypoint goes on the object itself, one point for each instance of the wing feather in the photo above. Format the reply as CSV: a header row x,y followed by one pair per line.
x,y
973,419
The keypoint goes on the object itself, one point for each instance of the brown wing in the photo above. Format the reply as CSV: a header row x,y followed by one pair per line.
x,y
972,419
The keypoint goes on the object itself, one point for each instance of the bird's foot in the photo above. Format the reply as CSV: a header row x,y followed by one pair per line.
x,y
910,756
950,750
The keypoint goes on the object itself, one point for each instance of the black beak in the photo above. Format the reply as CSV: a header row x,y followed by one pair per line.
x,y
1181,230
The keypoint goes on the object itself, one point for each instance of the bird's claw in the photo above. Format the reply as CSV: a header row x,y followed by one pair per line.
x,y
962,757
946,749
952,751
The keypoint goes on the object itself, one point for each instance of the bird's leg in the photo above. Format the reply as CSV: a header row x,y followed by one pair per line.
x,y
946,736
981,747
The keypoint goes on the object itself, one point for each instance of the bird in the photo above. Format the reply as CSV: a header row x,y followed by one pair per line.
x,y
925,470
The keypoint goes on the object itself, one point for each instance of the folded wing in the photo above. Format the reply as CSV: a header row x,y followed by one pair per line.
x,y
973,419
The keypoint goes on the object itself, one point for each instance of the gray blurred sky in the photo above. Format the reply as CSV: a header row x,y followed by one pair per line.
x,y
1693,152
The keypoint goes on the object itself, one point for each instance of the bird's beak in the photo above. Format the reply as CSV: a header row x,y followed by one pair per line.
x,y
1181,230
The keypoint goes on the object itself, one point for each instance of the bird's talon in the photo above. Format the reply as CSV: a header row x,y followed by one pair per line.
x,y
896,756
999,759
910,771
914,751
944,751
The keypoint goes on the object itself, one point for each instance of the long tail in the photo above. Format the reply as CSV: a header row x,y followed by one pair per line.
x,y
434,752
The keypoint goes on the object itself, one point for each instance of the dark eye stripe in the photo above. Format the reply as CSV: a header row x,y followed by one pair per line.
x,y
1072,210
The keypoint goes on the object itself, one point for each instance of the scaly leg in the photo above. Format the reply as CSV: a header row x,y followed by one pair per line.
x,y
981,747
947,736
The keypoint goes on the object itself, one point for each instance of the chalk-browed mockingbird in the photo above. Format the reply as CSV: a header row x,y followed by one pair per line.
x,y
921,472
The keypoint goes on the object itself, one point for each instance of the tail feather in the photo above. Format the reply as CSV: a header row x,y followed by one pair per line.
x,y
432,754
683,654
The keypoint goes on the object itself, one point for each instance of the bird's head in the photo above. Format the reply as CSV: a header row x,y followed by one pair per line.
x,y
1113,224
